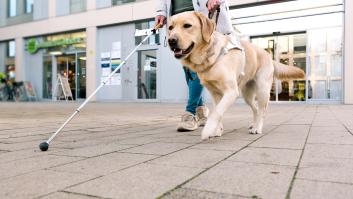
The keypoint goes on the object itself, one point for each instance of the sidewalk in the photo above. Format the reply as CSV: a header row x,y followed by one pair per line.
x,y
131,150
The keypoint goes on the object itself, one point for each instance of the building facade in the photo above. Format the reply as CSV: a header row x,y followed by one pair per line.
x,y
84,40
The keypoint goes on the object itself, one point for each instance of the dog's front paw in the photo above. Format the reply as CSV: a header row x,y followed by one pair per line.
x,y
255,131
210,130
219,131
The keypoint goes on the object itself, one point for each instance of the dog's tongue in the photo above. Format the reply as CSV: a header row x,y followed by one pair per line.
x,y
178,52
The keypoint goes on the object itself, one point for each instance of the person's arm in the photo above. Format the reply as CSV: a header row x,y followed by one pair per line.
x,y
212,5
161,12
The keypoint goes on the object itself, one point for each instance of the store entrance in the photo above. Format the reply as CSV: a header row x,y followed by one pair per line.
x,y
147,75
73,66
288,49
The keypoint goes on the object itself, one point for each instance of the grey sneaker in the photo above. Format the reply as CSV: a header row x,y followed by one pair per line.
x,y
188,122
202,114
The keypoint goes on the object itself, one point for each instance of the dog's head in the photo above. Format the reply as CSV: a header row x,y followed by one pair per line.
x,y
187,31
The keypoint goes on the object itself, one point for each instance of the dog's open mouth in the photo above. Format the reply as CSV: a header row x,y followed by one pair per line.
x,y
179,53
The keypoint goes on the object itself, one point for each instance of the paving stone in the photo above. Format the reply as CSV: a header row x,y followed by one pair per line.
x,y
283,157
245,179
318,190
328,151
240,134
104,128
95,150
138,140
22,166
105,164
221,144
157,148
32,145
76,144
331,138
199,194
187,139
64,195
321,129
142,181
192,158
24,154
39,183
326,169
283,143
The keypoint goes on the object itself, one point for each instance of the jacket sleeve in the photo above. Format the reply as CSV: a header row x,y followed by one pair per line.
x,y
161,8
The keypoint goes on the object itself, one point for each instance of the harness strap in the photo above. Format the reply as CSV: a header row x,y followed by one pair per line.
x,y
211,14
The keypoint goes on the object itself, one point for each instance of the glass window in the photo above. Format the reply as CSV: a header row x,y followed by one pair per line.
x,y
77,6
12,8
11,49
140,27
29,6
119,2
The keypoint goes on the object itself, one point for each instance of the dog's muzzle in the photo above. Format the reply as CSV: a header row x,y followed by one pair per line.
x,y
178,52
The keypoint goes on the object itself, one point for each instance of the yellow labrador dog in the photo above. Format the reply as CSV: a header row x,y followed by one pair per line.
x,y
226,72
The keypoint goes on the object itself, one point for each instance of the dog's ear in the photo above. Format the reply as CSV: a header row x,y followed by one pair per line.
x,y
207,26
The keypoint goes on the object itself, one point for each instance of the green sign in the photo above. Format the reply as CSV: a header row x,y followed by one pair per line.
x,y
33,46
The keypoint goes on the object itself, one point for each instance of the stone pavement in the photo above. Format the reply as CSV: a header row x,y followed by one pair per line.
x,y
131,150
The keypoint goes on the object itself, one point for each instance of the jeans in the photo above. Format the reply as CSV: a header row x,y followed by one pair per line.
x,y
195,91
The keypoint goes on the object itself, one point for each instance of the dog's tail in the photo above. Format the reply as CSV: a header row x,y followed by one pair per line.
x,y
285,72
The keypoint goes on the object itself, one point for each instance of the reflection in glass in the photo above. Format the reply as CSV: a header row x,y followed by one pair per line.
x,y
336,65
77,6
336,89
12,8
319,66
320,91
81,75
66,66
29,6
47,77
119,2
326,65
147,75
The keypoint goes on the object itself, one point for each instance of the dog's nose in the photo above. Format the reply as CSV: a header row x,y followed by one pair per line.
x,y
172,42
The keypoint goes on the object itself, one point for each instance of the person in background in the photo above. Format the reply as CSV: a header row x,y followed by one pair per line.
x,y
195,112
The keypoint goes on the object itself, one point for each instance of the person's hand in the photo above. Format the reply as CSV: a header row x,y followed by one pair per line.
x,y
212,5
160,19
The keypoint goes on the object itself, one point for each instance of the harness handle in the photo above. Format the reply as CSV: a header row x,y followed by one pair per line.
x,y
217,11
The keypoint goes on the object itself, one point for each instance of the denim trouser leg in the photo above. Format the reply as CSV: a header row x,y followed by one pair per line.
x,y
195,91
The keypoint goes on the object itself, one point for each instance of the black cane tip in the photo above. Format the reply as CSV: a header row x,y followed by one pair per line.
x,y
44,146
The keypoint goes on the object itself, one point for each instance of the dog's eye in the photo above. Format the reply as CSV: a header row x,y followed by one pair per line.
x,y
170,27
187,25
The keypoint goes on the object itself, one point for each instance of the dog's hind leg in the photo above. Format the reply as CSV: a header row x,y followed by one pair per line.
x,y
263,88
248,92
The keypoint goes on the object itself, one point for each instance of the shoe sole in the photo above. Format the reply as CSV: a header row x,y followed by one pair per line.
x,y
186,130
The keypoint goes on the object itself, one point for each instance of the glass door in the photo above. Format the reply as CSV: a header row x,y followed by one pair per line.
x,y
47,77
325,80
289,49
66,66
147,75
81,76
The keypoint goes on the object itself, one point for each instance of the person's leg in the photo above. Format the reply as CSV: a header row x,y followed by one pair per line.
x,y
195,91
189,121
